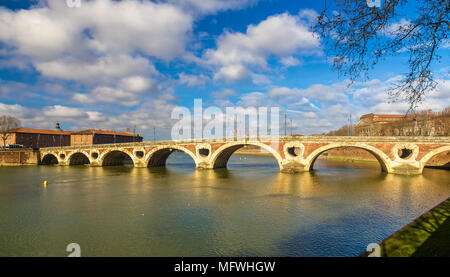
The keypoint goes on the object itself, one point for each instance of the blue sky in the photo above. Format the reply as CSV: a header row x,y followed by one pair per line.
x,y
119,64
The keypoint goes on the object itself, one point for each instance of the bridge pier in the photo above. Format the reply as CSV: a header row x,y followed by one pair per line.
x,y
63,163
204,165
139,164
406,171
406,168
95,163
289,166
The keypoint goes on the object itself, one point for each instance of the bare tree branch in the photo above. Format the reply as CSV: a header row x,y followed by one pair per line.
x,y
360,36
7,123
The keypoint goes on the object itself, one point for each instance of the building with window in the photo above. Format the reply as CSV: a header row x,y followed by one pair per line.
x,y
426,123
36,138
91,136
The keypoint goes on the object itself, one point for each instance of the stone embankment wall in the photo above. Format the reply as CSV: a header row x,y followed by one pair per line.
x,y
14,157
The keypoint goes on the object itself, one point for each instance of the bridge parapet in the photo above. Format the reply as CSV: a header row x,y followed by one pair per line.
x,y
400,155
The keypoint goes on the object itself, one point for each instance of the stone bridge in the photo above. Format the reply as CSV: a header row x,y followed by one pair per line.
x,y
399,155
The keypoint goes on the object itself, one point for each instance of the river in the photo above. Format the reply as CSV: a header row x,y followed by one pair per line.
x,y
249,209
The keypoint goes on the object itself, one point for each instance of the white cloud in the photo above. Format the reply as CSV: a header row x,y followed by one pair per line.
x,y
296,103
103,68
104,43
108,95
232,72
83,98
144,118
156,29
290,61
136,83
39,33
309,15
282,36
320,93
12,110
95,116
254,99
212,6
105,26
59,111
192,80
224,93
260,79
392,29
320,108
281,92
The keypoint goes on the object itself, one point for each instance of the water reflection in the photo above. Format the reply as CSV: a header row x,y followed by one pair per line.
x,y
248,209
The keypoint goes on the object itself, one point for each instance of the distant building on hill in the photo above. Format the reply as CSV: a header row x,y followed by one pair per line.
x,y
421,124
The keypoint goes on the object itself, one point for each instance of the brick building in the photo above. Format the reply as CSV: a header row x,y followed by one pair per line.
x,y
91,136
35,138
422,124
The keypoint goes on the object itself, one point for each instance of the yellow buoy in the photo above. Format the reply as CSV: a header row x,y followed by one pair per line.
x,y
45,183
245,146
170,149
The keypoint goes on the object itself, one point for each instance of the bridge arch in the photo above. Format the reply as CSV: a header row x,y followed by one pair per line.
x,y
49,158
220,157
433,153
115,157
158,156
78,158
378,154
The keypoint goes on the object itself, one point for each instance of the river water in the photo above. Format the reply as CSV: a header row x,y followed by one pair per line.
x,y
249,209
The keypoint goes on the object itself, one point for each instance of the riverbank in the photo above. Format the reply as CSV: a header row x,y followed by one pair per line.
x,y
427,236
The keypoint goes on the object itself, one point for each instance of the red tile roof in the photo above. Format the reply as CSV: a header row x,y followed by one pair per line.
x,y
104,132
39,131
67,133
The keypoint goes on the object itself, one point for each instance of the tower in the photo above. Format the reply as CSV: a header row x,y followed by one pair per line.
x,y
57,127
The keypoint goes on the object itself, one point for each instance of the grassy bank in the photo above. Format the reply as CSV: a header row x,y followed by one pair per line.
x,y
427,236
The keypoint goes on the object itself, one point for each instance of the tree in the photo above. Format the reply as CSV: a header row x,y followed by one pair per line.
x,y
345,130
360,36
6,124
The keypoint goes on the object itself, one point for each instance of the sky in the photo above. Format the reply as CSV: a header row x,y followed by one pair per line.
x,y
126,64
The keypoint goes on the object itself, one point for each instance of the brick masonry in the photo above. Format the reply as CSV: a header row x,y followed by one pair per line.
x,y
16,157
293,154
